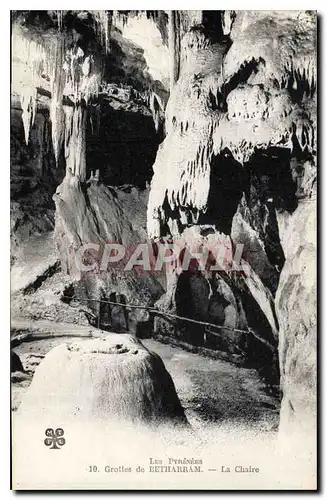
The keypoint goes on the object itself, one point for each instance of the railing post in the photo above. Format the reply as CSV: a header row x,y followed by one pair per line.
x,y
99,315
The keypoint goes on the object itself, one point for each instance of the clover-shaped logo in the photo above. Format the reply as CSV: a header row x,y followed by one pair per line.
x,y
54,438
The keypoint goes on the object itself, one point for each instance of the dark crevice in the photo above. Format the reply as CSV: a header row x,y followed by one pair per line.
x,y
299,86
270,187
239,78
40,279
125,148
211,21
170,214
192,294
226,188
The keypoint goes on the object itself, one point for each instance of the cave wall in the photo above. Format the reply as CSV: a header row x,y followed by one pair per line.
x,y
219,114
103,120
296,307
34,178
250,98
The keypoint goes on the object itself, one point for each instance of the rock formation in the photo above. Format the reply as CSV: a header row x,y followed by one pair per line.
x,y
239,155
201,132
107,378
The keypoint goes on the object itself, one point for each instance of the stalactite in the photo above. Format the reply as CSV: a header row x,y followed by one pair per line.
x,y
103,20
186,185
227,20
60,15
28,104
75,144
57,115
82,81
82,77
40,138
69,71
26,75
174,46
37,60
157,109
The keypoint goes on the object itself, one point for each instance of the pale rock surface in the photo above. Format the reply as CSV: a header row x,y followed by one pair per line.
x,y
296,308
111,377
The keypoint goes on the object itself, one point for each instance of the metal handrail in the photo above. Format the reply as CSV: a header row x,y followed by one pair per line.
x,y
174,316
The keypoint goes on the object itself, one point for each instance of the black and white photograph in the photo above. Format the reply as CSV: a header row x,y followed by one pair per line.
x,y
163,250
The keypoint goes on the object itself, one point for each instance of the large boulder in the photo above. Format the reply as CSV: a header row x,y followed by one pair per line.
x,y
113,377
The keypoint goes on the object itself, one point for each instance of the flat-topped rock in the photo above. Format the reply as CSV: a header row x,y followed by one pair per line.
x,y
113,376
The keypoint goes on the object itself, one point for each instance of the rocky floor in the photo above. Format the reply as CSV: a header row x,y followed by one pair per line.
x,y
217,391
211,391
